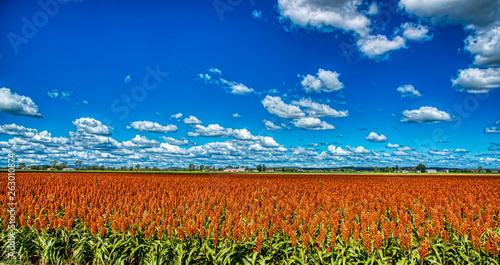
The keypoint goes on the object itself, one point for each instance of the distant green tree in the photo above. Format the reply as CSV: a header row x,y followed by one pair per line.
x,y
102,167
264,168
259,168
375,169
22,165
488,170
398,168
53,163
479,169
191,167
137,167
78,163
421,167
202,167
147,168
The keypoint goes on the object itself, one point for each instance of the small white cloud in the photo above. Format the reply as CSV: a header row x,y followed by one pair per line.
x,y
215,70
405,148
476,80
373,9
230,87
85,102
271,126
489,130
91,126
236,115
53,94
66,94
425,115
276,106
17,105
149,126
177,116
415,32
191,120
174,141
375,138
212,130
401,153
378,47
319,110
127,79
408,91
310,123
257,14
243,134
358,150
324,81
389,145
235,88
460,150
445,152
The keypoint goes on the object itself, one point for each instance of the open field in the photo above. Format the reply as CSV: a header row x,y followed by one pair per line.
x,y
103,218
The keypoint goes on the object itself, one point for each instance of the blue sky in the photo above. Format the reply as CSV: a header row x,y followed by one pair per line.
x,y
285,83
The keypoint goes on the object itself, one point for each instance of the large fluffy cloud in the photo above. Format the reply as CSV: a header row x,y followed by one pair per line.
x,y
477,80
485,45
149,126
91,126
276,106
425,115
310,123
319,110
325,16
324,81
17,104
375,138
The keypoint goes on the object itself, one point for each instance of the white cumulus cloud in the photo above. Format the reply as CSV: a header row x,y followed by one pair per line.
x,y
16,104
477,80
91,126
149,126
416,32
276,106
378,47
324,81
319,110
191,120
311,123
375,138
408,91
425,115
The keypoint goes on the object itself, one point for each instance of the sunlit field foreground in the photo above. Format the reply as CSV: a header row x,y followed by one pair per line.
x,y
113,218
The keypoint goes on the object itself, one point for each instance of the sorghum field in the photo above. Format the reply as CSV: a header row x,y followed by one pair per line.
x,y
119,218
